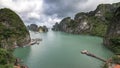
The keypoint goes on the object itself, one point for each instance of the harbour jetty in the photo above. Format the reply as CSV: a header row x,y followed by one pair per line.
x,y
35,41
109,63
92,55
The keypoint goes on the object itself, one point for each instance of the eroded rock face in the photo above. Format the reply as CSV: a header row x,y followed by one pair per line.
x,y
93,23
83,25
112,38
12,30
36,28
42,29
63,26
33,27
12,33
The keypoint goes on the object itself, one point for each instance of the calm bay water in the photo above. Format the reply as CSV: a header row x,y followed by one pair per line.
x,y
62,50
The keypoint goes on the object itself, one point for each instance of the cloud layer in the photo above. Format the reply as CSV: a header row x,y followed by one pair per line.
x,y
47,12
62,7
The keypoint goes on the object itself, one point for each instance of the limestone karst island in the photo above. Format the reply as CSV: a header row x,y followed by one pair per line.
x,y
59,34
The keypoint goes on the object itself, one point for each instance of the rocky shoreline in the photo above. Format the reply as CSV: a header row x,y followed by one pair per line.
x,y
18,61
18,64
13,33
32,42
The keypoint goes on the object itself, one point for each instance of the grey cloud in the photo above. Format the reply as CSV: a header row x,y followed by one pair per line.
x,y
62,7
32,20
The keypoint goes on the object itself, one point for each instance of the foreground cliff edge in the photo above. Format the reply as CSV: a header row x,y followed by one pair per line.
x,y
112,37
112,40
12,33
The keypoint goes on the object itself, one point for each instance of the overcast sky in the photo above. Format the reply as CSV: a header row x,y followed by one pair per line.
x,y
48,12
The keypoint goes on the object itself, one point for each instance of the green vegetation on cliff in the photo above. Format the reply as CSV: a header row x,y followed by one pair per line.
x,y
36,28
112,38
99,27
12,33
93,23
6,58
12,26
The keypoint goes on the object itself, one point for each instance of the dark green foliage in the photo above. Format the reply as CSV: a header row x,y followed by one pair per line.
x,y
113,36
97,21
109,16
6,66
98,27
56,27
116,59
117,13
12,21
105,65
80,14
65,20
12,29
4,56
11,25
115,45
115,41
72,24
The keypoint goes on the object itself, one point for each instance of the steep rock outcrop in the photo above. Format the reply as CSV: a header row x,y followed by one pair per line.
x,y
42,29
112,38
93,23
12,28
36,28
33,27
12,33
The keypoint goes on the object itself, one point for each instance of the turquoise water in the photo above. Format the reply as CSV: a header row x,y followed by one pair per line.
x,y
62,50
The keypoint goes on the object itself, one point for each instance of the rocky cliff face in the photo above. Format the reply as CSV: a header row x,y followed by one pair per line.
x,y
36,28
42,29
12,33
33,27
12,28
93,23
112,38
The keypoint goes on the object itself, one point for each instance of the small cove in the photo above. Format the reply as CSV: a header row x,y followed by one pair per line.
x,y
62,50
